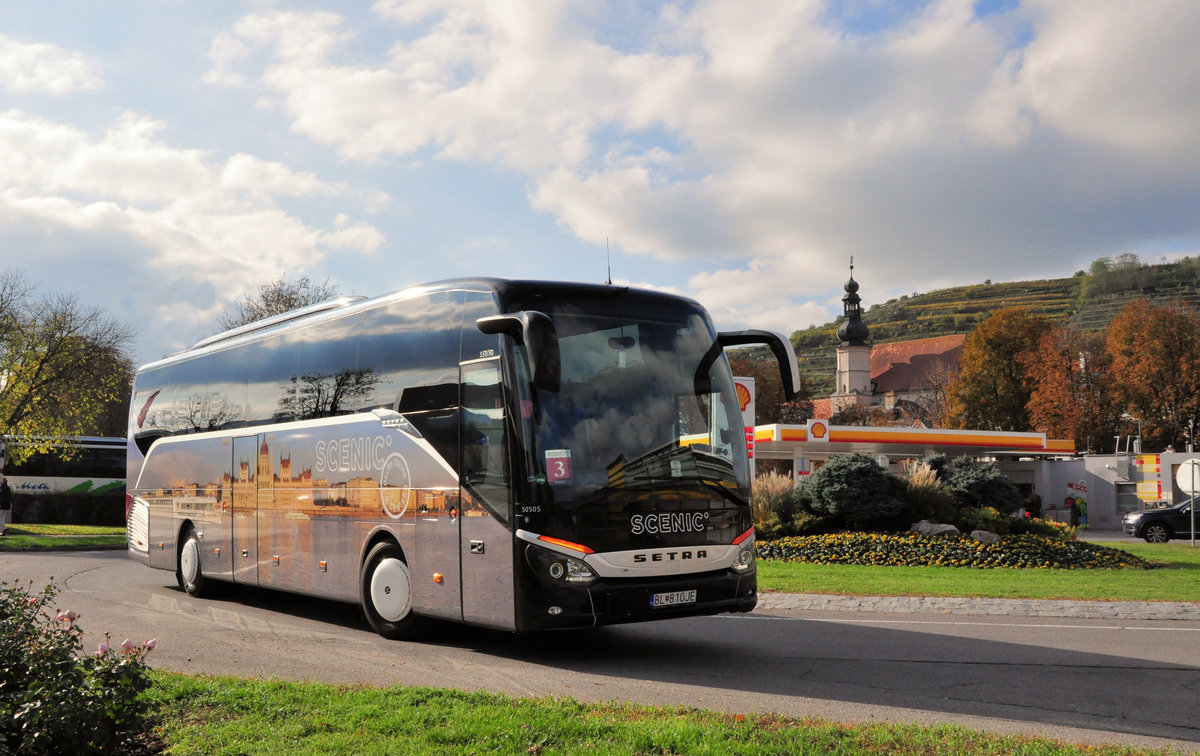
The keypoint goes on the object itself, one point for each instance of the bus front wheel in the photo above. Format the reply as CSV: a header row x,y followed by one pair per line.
x,y
385,592
188,573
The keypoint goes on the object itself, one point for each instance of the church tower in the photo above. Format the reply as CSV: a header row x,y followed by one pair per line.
x,y
853,351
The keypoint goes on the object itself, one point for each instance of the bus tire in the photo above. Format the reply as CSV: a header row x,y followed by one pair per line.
x,y
385,592
187,566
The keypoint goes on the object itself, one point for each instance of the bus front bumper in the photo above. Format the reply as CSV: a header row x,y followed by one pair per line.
x,y
615,601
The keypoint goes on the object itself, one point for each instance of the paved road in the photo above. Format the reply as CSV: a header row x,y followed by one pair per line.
x,y
1084,680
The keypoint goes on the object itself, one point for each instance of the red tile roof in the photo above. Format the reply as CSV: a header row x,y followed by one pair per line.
x,y
906,365
822,409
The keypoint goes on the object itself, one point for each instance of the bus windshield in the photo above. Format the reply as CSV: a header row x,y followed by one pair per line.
x,y
645,403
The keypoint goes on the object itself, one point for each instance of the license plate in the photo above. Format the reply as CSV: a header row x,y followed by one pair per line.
x,y
675,598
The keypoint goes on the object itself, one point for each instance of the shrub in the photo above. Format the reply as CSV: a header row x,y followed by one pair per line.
x,y
977,485
984,518
941,466
808,523
773,503
853,490
1045,528
780,509
926,494
51,699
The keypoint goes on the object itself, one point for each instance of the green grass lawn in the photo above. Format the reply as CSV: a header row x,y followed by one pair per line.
x,y
34,536
221,715
1177,580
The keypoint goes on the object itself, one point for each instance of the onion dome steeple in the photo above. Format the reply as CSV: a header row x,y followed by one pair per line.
x,y
852,332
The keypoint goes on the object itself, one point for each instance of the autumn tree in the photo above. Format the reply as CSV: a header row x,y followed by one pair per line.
x,y
63,366
993,387
275,298
117,368
770,405
1073,393
1155,353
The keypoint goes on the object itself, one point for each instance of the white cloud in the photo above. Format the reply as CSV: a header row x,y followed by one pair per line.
x,y
44,68
773,293
944,148
189,215
352,236
763,146
519,84
769,144
127,163
1123,75
263,180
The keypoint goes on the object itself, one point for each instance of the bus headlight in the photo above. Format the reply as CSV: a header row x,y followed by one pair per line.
x,y
745,559
578,572
557,568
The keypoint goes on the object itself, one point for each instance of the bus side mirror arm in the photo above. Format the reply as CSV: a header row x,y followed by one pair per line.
x,y
537,332
789,371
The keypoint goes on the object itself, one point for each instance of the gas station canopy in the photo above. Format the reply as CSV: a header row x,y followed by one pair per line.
x,y
817,440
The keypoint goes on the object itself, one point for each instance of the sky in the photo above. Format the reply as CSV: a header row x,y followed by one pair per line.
x,y
162,159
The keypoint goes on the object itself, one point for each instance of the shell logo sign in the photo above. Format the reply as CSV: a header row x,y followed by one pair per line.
x,y
743,395
818,430
744,388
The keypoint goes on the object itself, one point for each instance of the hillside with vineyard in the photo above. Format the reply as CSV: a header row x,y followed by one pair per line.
x,y
1088,300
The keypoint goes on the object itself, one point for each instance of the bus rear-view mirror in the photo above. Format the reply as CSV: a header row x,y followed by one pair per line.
x,y
789,371
537,332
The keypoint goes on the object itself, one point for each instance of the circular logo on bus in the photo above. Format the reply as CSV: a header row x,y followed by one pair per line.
x,y
395,486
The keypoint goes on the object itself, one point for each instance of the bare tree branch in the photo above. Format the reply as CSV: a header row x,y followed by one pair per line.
x,y
275,298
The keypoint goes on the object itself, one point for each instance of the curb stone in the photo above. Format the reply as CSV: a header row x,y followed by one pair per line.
x,y
1145,610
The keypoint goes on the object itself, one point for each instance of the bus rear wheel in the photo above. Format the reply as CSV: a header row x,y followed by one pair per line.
x,y
385,593
188,572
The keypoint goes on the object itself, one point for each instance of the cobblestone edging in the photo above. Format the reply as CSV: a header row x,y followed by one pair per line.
x,y
1148,610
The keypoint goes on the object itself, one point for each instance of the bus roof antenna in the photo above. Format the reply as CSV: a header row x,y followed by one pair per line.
x,y
608,252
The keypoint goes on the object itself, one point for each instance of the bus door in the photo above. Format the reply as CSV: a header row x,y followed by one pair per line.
x,y
485,547
245,510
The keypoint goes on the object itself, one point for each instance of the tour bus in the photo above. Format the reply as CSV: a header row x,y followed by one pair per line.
x,y
518,455
75,465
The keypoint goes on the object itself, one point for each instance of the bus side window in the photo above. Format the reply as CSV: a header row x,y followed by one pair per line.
x,y
271,367
225,391
434,412
412,342
475,343
160,407
331,383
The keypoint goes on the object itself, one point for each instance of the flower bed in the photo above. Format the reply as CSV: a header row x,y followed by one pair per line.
x,y
916,550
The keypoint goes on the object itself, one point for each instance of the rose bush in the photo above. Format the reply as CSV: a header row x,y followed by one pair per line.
x,y
53,699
